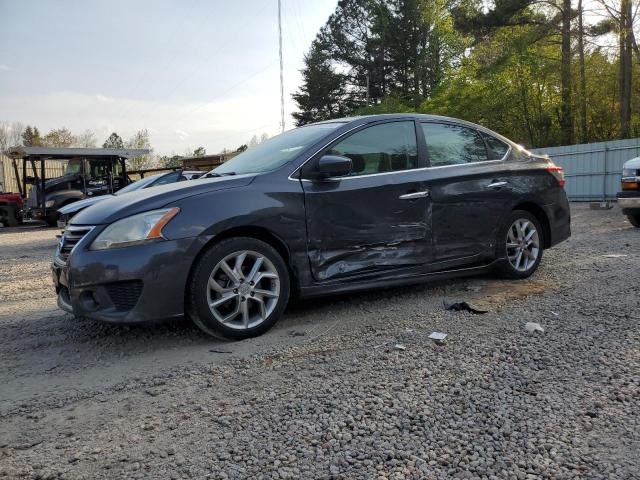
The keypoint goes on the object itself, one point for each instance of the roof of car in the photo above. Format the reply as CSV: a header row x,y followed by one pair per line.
x,y
389,116
632,163
364,119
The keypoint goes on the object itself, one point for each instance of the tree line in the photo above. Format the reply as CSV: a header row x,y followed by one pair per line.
x,y
544,73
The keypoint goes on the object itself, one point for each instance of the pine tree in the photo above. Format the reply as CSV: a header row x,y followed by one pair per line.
x,y
114,141
31,137
323,94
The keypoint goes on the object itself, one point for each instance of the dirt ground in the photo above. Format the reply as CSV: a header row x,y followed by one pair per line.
x,y
327,393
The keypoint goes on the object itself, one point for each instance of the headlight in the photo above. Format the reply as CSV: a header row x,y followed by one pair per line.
x,y
629,172
135,229
49,203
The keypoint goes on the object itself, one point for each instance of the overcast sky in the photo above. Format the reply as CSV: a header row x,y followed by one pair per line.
x,y
193,72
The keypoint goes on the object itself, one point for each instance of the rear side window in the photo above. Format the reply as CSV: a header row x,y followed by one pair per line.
x,y
387,147
497,148
453,144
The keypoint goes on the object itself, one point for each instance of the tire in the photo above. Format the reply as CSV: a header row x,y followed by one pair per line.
x,y
52,219
509,243
245,302
8,215
634,220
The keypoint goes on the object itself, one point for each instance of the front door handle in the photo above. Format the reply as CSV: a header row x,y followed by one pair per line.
x,y
414,195
496,185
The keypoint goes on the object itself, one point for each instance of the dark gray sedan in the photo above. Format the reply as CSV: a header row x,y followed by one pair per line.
x,y
332,207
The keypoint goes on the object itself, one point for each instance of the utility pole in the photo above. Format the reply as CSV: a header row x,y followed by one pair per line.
x,y
281,77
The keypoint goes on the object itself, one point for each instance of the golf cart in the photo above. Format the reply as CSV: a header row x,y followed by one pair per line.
x,y
89,172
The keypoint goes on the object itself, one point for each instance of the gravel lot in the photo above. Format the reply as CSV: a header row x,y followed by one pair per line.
x,y
326,394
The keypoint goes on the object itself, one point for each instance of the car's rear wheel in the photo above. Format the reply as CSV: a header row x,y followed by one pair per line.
x,y
634,220
238,289
520,243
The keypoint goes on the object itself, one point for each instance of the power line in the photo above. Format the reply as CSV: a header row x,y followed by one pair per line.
x,y
242,25
169,40
237,84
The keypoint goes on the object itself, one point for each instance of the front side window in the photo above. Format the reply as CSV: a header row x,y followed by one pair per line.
x,y
117,168
497,148
74,166
387,147
97,169
453,144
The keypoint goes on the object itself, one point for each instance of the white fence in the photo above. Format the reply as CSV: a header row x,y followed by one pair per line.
x,y
593,170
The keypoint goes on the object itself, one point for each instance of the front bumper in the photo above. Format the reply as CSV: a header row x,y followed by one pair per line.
x,y
629,202
126,285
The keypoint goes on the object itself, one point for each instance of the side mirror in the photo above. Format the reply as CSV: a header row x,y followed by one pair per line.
x,y
334,166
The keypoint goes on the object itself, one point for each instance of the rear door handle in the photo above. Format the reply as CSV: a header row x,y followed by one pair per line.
x,y
414,195
496,184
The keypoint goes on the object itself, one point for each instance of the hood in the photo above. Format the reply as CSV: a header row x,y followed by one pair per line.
x,y
115,207
81,204
633,163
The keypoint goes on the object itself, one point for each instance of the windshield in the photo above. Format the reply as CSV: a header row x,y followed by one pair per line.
x,y
138,185
276,151
74,166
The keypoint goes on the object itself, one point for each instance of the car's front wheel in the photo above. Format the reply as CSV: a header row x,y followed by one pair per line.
x,y
634,220
238,289
520,244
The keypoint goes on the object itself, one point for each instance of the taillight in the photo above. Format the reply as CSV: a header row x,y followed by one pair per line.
x,y
557,172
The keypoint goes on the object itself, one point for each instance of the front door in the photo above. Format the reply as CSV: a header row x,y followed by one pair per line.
x,y
376,219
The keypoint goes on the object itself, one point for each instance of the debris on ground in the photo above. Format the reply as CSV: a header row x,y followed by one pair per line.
x,y
615,255
462,306
399,346
438,337
297,333
533,327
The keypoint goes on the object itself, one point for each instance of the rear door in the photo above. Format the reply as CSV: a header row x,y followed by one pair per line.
x,y
375,220
470,192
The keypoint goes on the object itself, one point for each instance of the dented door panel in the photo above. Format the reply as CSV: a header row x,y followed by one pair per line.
x,y
360,225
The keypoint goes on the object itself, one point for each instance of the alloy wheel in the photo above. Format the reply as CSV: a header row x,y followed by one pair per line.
x,y
523,244
243,289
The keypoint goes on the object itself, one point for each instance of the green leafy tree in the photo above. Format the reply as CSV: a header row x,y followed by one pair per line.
x,y
200,152
140,140
59,138
31,137
114,141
